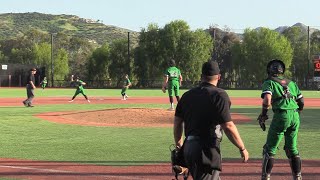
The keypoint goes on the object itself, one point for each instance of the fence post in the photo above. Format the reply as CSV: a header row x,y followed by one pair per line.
x,y
9,80
20,80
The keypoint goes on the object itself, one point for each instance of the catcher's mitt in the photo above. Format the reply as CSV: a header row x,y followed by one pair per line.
x,y
262,119
177,161
164,89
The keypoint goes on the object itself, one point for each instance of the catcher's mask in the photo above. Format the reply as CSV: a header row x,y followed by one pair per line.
x,y
172,62
275,67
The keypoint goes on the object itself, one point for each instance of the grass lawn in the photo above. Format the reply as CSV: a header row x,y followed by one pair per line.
x,y
27,137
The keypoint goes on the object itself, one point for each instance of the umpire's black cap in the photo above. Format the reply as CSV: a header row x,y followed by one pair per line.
x,y
33,69
210,68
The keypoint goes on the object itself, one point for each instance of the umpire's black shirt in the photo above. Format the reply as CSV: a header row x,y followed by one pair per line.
x,y
30,78
202,109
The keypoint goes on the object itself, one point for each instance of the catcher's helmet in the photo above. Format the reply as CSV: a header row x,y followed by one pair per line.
x,y
275,67
172,62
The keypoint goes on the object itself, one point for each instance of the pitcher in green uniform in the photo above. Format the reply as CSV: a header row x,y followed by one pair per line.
x,y
172,81
125,87
80,90
287,103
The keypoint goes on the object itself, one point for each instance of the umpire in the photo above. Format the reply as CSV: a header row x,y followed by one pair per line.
x,y
30,88
204,113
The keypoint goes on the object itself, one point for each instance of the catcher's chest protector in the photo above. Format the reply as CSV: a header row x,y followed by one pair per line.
x,y
286,91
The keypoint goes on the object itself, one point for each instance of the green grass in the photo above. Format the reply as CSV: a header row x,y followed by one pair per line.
x,y
67,92
27,137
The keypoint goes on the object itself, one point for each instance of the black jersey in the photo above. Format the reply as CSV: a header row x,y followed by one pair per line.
x,y
203,109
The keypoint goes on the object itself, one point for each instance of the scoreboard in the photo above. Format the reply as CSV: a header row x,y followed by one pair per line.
x,y
316,72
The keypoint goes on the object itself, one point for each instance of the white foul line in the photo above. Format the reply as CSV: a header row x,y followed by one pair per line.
x,y
38,169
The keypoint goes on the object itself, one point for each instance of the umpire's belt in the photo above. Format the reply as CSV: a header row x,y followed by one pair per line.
x,y
189,138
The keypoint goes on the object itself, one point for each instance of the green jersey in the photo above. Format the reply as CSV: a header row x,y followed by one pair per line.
x,y
126,82
79,85
279,101
173,73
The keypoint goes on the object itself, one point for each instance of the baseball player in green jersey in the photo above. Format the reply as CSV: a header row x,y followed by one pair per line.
x,y
172,80
287,102
125,87
80,90
44,82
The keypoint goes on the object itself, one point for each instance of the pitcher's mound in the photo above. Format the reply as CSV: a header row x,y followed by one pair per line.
x,y
127,117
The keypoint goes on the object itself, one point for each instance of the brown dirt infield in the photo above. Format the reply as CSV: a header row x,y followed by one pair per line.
x,y
232,169
122,117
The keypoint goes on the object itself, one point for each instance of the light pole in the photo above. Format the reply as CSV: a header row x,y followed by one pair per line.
x,y
52,68
128,47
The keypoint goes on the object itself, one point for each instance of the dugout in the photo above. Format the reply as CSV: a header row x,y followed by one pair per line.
x,y
15,75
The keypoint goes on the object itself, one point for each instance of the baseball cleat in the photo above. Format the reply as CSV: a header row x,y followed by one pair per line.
x,y
88,100
70,101
25,104
171,109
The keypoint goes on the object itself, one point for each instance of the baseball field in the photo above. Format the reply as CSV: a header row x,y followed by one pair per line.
x,y
113,139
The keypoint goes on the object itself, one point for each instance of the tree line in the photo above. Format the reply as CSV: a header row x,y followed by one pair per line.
x,y
242,59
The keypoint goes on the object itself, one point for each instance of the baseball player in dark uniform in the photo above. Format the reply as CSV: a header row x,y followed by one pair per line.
x,y
287,102
204,112
30,88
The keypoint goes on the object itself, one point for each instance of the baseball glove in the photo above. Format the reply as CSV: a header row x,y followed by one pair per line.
x,y
164,89
177,160
262,119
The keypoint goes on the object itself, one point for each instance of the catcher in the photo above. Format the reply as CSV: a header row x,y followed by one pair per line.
x,y
287,103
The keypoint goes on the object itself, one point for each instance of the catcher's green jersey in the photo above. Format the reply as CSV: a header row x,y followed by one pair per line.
x,y
173,73
276,90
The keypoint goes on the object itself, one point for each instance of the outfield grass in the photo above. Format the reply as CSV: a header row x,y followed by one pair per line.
x,y
27,137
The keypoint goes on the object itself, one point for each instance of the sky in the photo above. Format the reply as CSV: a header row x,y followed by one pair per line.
x,y
199,14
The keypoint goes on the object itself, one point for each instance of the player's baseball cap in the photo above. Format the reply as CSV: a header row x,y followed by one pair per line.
x,y
210,68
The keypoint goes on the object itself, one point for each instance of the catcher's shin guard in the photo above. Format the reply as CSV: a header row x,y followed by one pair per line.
x,y
267,164
295,164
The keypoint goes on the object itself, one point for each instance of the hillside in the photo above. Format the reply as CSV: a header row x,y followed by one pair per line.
x,y
15,24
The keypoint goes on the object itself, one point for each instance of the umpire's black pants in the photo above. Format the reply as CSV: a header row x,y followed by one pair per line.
x,y
192,154
30,95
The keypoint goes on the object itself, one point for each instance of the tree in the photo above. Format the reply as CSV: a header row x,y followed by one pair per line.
x,y
298,40
258,48
3,58
175,41
98,64
224,41
61,68
120,64
148,56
